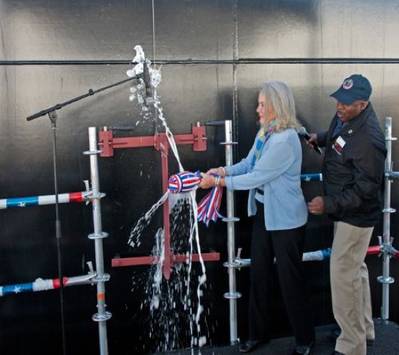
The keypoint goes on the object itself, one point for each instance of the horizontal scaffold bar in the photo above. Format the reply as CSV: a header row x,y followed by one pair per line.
x,y
43,200
325,254
151,260
312,177
46,284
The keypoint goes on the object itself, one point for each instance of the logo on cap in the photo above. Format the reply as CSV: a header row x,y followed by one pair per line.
x,y
347,84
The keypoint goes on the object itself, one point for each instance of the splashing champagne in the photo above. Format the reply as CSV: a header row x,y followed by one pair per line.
x,y
140,92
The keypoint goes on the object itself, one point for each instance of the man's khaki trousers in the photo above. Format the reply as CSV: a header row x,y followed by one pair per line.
x,y
350,289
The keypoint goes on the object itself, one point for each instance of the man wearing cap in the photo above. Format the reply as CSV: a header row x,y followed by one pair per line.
x,y
353,171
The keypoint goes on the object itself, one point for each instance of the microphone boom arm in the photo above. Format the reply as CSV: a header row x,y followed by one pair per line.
x,y
91,92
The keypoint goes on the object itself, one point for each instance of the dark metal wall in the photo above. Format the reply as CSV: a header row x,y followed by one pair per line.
x,y
234,45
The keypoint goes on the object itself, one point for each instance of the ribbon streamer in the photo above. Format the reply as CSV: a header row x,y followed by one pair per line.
x,y
208,208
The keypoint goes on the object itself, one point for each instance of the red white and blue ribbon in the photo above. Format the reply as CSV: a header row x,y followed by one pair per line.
x,y
185,181
208,208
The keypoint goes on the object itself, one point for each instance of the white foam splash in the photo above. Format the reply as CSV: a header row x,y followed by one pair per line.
x,y
156,286
170,339
144,221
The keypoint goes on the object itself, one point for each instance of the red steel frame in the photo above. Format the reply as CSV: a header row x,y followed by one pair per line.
x,y
197,139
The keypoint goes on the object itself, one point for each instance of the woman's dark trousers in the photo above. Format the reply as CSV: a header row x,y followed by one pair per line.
x,y
287,247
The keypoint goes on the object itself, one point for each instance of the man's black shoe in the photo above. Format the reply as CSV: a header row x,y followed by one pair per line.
x,y
251,345
303,349
336,353
335,333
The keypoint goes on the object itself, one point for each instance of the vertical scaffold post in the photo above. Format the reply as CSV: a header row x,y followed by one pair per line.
x,y
386,242
102,315
232,295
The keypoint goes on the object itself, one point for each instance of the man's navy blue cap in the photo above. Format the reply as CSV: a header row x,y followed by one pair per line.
x,y
356,87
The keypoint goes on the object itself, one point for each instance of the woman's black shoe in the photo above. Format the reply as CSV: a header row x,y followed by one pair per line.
x,y
251,345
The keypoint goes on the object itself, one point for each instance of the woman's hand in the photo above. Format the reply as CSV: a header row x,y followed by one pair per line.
x,y
207,181
217,171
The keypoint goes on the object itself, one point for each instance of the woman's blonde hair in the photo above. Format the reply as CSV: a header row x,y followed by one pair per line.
x,y
279,96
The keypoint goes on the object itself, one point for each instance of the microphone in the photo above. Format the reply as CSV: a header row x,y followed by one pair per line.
x,y
304,133
147,83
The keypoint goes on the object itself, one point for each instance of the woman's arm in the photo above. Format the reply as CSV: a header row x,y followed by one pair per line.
x,y
273,162
243,166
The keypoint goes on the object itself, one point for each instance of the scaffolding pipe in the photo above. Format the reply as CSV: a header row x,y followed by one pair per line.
x,y
46,284
232,295
102,315
312,177
386,279
69,197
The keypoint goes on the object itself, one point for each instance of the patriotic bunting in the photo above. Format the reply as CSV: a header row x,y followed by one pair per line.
x,y
184,182
208,208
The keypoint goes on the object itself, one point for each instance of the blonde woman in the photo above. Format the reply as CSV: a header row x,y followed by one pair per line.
x,y
271,172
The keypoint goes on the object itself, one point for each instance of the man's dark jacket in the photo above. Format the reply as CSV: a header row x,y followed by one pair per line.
x,y
353,170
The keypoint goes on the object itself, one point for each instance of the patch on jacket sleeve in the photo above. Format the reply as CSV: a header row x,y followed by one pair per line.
x,y
339,145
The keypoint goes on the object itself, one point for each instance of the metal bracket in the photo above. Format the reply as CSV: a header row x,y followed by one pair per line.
x,y
388,210
98,317
92,152
232,295
232,219
102,278
385,280
101,235
92,196
238,263
228,143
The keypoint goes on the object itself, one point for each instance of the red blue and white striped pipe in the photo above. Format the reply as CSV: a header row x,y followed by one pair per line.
x,y
312,177
323,254
45,285
326,253
317,255
43,200
182,182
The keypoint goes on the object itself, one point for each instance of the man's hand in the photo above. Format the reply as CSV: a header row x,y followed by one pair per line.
x,y
316,206
312,140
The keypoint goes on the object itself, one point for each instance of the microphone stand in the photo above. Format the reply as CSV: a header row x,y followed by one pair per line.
x,y
52,114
